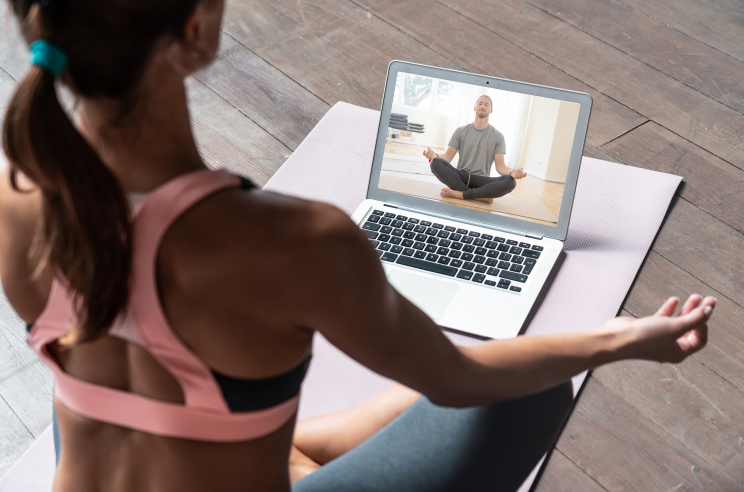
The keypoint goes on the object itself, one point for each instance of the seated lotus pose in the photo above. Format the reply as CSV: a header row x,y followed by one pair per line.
x,y
177,305
480,145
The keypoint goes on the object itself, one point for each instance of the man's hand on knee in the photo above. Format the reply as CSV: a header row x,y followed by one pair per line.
x,y
430,154
518,173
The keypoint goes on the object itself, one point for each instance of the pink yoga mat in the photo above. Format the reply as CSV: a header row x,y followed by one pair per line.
x,y
617,212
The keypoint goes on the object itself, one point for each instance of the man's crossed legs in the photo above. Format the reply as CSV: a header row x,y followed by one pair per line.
x,y
470,186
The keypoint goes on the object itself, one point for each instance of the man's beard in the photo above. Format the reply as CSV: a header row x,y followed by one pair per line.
x,y
483,115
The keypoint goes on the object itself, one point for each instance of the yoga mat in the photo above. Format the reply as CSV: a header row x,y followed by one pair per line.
x,y
504,205
617,212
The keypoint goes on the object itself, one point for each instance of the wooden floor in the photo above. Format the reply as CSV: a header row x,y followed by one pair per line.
x,y
667,78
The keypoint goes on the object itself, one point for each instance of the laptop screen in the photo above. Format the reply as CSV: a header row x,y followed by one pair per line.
x,y
490,150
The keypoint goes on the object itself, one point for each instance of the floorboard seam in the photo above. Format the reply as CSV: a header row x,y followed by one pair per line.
x,y
8,73
582,470
727,8
675,29
622,135
633,57
18,417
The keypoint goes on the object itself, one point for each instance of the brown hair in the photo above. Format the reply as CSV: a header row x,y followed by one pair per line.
x,y
85,236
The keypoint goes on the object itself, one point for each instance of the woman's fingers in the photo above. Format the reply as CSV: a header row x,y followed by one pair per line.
x,y
667,309
692,302
697,317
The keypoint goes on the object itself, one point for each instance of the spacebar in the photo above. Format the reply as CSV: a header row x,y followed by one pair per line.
x,y
427,265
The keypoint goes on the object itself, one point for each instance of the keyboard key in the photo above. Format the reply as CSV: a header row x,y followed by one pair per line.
x,y
386,229
431,231
468,266
437,226
491,244
432,257
503,247
384,238
490,282
449,229
518,259
397,232
530,261
498,239
462,231
464,274
514,276
386,221
373,218
445,242
390,215
516,268
375,243
396,249
402,217
493,271
515,288
384,246
425,265
432,240
530,254
395,240
371,226
504,265
431,248
491,262
419,245
512,242
419,229
407,243
505,256
467,239
524,245
479,242
528,269
479,277
467,256
378,212
425,223
408,251
419,254
408,226
380,253
409,235
421,237
456,246
479,259
481,268
474,234
515,250
455,237
372,234
443,234
413,221
492,254
454,254
443,260
480,251
537,248
469,248
487,237
456,263
397,223
443,251
503,284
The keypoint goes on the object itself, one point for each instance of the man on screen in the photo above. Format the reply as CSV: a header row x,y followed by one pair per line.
x,y
480,145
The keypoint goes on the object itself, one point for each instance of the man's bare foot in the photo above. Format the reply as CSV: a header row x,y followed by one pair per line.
x,y
448,193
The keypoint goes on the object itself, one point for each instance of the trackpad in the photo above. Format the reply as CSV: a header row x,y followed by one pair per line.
x,y
432,296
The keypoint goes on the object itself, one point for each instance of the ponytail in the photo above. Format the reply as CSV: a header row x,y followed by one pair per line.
x,y
85,235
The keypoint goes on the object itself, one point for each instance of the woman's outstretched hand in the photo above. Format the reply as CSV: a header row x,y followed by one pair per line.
x,y
664,337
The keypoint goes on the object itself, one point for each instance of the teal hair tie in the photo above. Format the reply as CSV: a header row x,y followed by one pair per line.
x,y
46,55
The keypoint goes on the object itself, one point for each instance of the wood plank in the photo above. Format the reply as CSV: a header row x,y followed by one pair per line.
x,y
681,57
710,182
324,70
690,402
660,279
707,22
271,99
562,475
228,139
433,26
734,6
622,450
683,110
705,247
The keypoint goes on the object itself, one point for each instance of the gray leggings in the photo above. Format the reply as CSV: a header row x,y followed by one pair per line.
x,y
479,187
429,448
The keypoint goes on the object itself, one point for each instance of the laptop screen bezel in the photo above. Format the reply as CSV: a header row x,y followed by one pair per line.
x,y
503,222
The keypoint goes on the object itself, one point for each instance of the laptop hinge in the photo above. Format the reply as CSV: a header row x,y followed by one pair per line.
x,y
533,237
388,205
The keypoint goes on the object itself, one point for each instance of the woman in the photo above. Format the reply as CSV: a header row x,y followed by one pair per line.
x,y
179,338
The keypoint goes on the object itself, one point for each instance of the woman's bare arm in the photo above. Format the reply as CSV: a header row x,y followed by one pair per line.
x,y
360,313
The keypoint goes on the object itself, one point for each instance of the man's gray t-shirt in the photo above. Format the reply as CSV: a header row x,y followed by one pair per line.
x,y
477,148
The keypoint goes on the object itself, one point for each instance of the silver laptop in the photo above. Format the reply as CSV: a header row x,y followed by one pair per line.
x,y
471,190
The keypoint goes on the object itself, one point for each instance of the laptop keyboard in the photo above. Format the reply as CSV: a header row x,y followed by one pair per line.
x,y
454,252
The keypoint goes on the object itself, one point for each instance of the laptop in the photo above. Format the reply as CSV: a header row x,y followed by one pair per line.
x,y
470,193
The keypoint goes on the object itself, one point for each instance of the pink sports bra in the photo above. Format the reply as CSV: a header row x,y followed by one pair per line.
x,y
205,415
